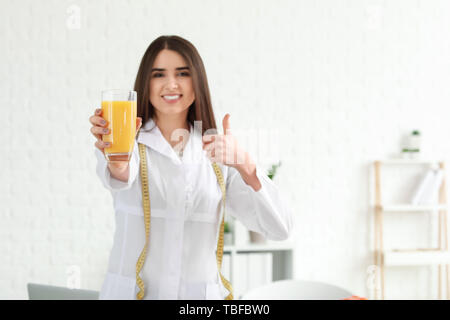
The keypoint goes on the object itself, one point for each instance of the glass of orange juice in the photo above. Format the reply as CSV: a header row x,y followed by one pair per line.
x,y
119,110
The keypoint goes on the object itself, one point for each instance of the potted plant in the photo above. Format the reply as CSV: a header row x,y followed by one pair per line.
x,y
412,149
273,170
227,234
414,143
256,237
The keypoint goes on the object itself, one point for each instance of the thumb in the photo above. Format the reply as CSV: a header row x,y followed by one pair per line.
x,y
226,124
138,123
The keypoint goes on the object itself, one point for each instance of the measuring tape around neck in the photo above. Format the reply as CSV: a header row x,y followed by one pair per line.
x,y
146,205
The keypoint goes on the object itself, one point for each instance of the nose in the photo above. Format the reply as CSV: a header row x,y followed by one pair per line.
x,y
172,83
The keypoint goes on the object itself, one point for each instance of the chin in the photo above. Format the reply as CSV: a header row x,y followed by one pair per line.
x,y
172,110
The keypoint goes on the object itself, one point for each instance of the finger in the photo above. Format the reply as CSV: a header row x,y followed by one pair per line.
x,y
210,153
213,155
217,155
138,123
98,146
226,124
208,138
97,114
208,147
98,121
102,145
213,144
214,151
99,130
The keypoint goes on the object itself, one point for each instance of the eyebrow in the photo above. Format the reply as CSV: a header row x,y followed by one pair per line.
x,y
180,68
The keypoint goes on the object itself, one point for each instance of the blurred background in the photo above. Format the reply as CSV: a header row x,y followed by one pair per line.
x,y
336,85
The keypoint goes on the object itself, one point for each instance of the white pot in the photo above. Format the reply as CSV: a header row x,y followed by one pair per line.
x,y
415,155
414,142
228,239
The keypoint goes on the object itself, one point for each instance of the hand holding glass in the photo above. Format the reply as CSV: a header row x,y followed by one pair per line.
x,y
115,125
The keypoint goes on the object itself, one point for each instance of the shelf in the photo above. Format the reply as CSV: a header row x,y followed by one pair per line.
x,y
281,257
409,161
412,208
416,257
412,257
258,247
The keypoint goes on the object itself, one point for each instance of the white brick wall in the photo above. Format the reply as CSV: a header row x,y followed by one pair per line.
x,y
342,81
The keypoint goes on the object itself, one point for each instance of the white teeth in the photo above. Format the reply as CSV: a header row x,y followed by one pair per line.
x,y
171,97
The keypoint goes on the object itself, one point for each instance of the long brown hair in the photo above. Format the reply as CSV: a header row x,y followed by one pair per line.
x,y
201,108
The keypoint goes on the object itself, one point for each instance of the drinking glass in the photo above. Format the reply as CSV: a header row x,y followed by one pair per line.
x,y
119,110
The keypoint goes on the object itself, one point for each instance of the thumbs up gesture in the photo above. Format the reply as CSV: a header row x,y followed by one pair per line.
x,y
223,148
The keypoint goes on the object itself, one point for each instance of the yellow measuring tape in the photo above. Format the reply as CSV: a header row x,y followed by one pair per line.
x,y
146,204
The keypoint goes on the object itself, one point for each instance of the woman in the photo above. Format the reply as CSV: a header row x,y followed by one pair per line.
x,y
185,196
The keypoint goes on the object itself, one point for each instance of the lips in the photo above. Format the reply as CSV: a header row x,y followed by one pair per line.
x,y
172,98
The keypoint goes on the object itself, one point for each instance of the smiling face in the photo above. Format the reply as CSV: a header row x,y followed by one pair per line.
x,y
171,87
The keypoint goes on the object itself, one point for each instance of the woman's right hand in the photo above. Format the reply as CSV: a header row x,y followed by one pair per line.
x,y
100,127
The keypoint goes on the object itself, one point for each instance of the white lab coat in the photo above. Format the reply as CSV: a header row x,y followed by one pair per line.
x,y
186,207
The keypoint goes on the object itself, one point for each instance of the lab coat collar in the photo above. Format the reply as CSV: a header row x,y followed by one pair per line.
x,y
151,136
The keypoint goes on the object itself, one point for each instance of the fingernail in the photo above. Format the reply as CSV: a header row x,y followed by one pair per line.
x,y
103,122
107,144
97,112
105,130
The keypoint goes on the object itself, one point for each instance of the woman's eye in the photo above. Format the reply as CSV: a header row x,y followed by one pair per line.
x,y
158,75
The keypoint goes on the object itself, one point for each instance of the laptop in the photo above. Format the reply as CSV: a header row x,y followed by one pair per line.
x,y
46,292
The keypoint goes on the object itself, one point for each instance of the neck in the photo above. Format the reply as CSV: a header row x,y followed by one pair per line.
x,y
167,124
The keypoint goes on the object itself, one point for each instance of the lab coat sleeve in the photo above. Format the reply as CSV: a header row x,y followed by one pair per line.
x,y
108,181
263,211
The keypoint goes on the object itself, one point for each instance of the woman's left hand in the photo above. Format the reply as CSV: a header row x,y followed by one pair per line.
x,y
224,148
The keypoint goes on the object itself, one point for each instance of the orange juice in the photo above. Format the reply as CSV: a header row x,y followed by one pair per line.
x,y
121,119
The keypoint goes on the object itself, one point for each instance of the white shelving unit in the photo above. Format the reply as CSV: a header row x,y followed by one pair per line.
x,y
416,257
422,256
282,259
411,208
